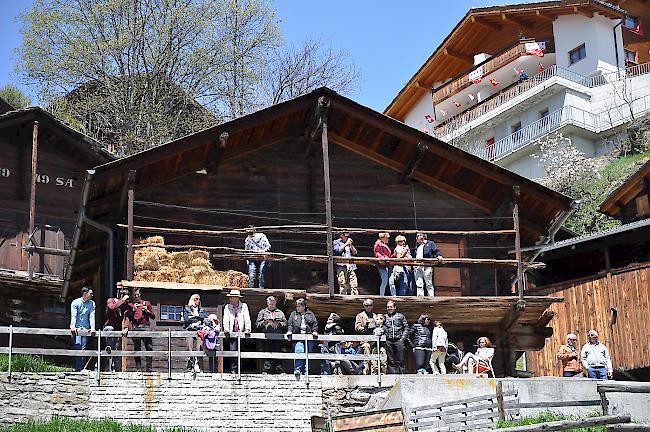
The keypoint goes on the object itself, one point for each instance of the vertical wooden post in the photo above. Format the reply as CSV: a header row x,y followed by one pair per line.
x,y
123,346
11,346
223,340
32,201
169,354
604,403
129,233
323,105
99,356
516,191
501,407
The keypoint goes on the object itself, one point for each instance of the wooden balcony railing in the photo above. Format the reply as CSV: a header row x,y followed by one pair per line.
x,y
490,65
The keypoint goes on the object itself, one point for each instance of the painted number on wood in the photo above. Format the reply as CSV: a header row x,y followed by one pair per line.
x,y
43,178
5,172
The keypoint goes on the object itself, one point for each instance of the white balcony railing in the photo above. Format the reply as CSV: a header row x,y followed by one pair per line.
x,y
567,115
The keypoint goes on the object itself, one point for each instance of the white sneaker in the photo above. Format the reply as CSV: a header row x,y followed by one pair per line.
x,y
197,369
297,374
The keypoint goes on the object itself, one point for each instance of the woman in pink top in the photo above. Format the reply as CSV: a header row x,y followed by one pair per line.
x,y
382,251
483,356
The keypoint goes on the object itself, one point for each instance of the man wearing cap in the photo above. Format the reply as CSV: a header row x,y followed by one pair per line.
x,y
596,359
382,251
259,243
345,273
424,274
365,324
236,319
568,355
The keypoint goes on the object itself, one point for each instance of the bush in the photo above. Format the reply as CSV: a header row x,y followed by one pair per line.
x,y
29,363
62,424
547,417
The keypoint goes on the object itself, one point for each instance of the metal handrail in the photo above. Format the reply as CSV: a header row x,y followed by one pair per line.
x,y
168,354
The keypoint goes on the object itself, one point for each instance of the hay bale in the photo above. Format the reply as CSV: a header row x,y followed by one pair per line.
x,y
236,279
145,276
168,274
201,262
145,260
155,239
194,254
165,262
180,260
199,270
188,279
219,277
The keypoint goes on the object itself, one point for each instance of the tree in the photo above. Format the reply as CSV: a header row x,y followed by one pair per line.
x,y
296,71
16,98
140,72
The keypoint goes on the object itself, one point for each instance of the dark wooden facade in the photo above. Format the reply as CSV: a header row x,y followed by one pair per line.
x,y
631,200
64,155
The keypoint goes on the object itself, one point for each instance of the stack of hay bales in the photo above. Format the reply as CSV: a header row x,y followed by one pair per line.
x,y
154,264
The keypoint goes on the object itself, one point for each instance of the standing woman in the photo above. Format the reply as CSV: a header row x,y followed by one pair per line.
x,y
193,316
401,272
302,321
420,338
382,251
440,342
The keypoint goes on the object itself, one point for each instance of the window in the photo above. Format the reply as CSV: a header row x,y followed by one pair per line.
x,y
631,22
577,54
171,313
630,56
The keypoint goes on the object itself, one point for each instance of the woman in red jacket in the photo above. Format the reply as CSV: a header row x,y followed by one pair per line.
x,y
382,250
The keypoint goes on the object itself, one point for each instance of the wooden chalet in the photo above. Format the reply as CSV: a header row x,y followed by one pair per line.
x,y
42,166
267,169
605,280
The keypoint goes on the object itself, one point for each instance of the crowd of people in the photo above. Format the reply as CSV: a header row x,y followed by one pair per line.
x,y
593,359
427,338
399,279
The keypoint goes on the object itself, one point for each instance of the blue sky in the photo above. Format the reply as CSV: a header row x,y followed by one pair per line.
x,y
387,40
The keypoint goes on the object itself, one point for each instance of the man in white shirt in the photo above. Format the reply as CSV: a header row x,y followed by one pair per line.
x,y
596,359
256,242
424,274
346,275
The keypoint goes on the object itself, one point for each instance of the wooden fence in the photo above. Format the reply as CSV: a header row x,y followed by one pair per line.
x,y
615,304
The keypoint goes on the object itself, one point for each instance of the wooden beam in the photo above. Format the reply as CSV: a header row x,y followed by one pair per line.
x,y
129,235
578,10
421,149
47,250
32,199
488,25
458,56
323,108
516,21
512,316
544,16
515,217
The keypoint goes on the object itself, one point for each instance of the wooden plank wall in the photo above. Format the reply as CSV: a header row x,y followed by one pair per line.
x,y
282,186
588,304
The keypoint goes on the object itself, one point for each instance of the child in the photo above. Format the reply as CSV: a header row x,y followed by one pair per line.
x,y
209,334
380,330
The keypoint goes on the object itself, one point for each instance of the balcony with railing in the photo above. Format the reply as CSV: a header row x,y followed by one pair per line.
x,y
491,65
567,115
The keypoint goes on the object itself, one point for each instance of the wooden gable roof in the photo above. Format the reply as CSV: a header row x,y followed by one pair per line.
x,y
488,30
359,129
630,189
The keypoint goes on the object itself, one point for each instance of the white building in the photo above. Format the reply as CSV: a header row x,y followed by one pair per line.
x,y
508,76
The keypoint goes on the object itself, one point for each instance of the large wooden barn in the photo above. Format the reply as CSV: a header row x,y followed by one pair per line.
x,y
55,157
267,169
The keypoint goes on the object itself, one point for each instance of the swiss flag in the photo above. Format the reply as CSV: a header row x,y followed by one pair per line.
x,y
428,118
494,82
541,67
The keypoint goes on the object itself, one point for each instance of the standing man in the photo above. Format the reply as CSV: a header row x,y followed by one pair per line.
x,y
345,273
424,274
256,242
568,355
382,251
139,318
236,319
271,320
364,324
82,317
397,327
116,309
596,359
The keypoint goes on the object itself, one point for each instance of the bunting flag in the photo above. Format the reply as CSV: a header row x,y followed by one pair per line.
x,y
426,131
443,112
535,48
494,82
428,118
518,71
476,75
471,96
541,67
458,104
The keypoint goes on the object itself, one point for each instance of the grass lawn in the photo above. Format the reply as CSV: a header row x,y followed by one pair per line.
x,y
60,424
548,417
29,363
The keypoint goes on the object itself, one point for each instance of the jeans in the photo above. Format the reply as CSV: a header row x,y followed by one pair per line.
x,y
326,365
231,344
256,268
395,357
272,365
599,372
194,344
568,374
80,343
137,346
422,358
114,343
387,278
299,348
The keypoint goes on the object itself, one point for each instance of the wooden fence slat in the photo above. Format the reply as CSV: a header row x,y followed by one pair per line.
x,y
463,401
570,424
559,404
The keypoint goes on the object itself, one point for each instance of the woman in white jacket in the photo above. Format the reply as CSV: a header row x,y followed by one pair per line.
x,y
236,319
439,341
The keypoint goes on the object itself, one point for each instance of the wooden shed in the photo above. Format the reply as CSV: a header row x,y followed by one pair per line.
x,y
268,169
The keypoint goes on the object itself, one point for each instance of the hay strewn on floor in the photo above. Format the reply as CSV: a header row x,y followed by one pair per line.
x,y
155,264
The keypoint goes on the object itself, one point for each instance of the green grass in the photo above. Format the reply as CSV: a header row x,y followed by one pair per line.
x,y
29,363
547,417
62,424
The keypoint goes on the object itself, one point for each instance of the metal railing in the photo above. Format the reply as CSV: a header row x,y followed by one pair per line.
x,y
169,353
451,128
567,115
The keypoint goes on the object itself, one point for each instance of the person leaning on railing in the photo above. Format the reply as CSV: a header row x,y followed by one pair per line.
x,y
271,320
82,317
236,319
302,321
138,318
116,309
193,316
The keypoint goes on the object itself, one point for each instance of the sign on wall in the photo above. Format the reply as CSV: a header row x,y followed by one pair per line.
x,y
381,421
43,178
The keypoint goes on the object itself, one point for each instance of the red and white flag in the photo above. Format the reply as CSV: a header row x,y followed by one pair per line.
x,y
428,118
535,48
476,75
638,29
541,67
494,82
471,96
426,131
458,104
